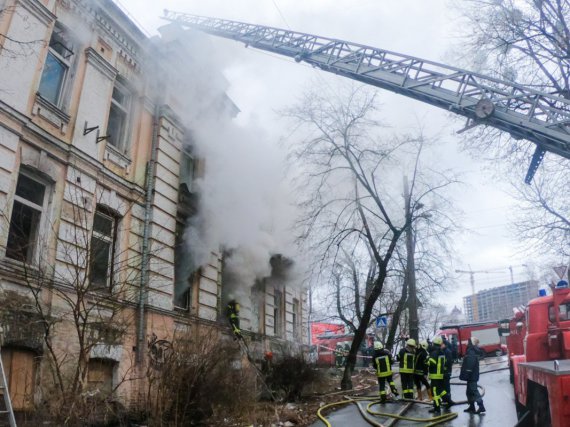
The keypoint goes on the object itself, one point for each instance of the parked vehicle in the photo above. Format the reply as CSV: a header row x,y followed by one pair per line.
x,y
514,332
327,344
542,372
487,332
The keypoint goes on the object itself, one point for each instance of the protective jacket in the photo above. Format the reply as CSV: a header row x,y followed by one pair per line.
x,y
448,361
420,367
470,366
407,360
437,363
382,360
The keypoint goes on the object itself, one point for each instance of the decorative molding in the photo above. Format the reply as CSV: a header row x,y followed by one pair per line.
x,y
114,156
37,9
51,113
94,58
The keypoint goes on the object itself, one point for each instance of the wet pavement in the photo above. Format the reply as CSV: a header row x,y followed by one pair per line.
x,y
498,399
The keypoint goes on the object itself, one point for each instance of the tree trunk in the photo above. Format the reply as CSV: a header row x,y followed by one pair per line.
x,y
389,344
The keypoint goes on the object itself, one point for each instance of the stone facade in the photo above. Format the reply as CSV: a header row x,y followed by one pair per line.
x,y
94,190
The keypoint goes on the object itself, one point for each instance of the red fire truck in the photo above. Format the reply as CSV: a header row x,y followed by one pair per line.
x,y
487,332
542,373
514,331
327,344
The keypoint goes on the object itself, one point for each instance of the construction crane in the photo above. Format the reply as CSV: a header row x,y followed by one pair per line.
x,y
472,281
524,113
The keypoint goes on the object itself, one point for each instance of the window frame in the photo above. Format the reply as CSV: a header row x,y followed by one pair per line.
x,y
295,311
278,313
66,62
121,144
112,240
33,257
103,364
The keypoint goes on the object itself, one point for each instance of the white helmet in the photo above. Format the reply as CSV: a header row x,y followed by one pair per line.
x,y
378,345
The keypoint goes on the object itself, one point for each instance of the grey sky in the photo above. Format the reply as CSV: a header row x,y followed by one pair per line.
x,y
261,84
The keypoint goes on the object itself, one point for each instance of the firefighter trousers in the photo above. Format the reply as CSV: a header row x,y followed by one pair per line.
x,y
382,386
407,385
439,393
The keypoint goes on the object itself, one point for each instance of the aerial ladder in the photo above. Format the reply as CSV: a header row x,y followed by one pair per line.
x,y
539,117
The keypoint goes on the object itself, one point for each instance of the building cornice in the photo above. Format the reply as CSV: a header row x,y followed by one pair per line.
x,y
37,9
92,57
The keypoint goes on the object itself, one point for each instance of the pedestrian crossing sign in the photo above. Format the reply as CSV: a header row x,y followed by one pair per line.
x,y
381,322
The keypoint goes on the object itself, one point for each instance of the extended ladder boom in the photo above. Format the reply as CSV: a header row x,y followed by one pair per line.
x,y
541,118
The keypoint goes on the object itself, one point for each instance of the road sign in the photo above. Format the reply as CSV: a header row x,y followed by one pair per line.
x,y
561,271
381,322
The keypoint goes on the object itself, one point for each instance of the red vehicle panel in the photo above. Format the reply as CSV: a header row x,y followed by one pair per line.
x,y
487,332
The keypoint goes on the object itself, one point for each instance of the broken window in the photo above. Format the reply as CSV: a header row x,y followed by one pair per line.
x,y
117,123
182,268
278,312
187,170
20,370
29,204
102,249
57,66
100,375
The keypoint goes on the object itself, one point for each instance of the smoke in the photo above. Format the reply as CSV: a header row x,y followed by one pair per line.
x,y
245,208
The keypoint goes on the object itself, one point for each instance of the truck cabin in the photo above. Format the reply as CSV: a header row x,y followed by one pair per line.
x,y
548,323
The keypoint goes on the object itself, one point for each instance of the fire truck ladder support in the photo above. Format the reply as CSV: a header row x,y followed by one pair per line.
x,y
8,411
539,117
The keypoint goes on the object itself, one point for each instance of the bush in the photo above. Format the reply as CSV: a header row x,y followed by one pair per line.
x,y
290,375
200,376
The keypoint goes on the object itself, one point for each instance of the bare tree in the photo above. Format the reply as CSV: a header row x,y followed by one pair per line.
x,y
83,300
526,41
353,202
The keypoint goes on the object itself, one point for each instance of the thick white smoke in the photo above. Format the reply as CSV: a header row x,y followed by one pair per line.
x,y
244,204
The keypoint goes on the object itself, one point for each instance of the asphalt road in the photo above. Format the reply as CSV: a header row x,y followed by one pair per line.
x,y
498,399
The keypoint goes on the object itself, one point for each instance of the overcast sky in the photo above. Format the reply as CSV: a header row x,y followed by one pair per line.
x,y
262,83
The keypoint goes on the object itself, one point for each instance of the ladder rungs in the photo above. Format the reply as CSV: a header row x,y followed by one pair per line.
x,y
4,412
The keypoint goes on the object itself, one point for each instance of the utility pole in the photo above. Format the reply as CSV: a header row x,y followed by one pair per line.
x,y
410,274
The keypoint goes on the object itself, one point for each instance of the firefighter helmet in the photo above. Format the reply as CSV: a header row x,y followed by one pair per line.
x,y
411,342
424,344
437,341
378,345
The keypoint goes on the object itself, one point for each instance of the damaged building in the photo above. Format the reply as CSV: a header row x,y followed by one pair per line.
x,y
97,190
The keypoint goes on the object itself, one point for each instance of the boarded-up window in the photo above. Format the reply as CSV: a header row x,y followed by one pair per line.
x,y
100,375
19,366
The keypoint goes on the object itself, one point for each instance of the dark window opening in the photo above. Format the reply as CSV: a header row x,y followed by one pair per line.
x,y
278,312
102,250
183,274
25,219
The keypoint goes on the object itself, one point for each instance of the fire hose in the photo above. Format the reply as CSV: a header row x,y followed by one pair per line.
x,y
431,421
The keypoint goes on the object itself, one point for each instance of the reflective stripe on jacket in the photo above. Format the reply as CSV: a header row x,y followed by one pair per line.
x,y
383,368
436,363
407,360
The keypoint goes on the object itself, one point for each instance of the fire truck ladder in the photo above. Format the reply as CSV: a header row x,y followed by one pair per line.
x,y
539,117
7,411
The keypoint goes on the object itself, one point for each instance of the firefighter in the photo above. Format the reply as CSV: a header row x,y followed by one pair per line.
x,y
436,367
420,370
407,358
338,355
232,311
382,361
448,369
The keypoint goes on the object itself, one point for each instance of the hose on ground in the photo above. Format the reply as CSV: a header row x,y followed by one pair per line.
x,y
433,421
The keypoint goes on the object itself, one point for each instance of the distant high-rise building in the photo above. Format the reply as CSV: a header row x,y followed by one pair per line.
x,y
498,303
